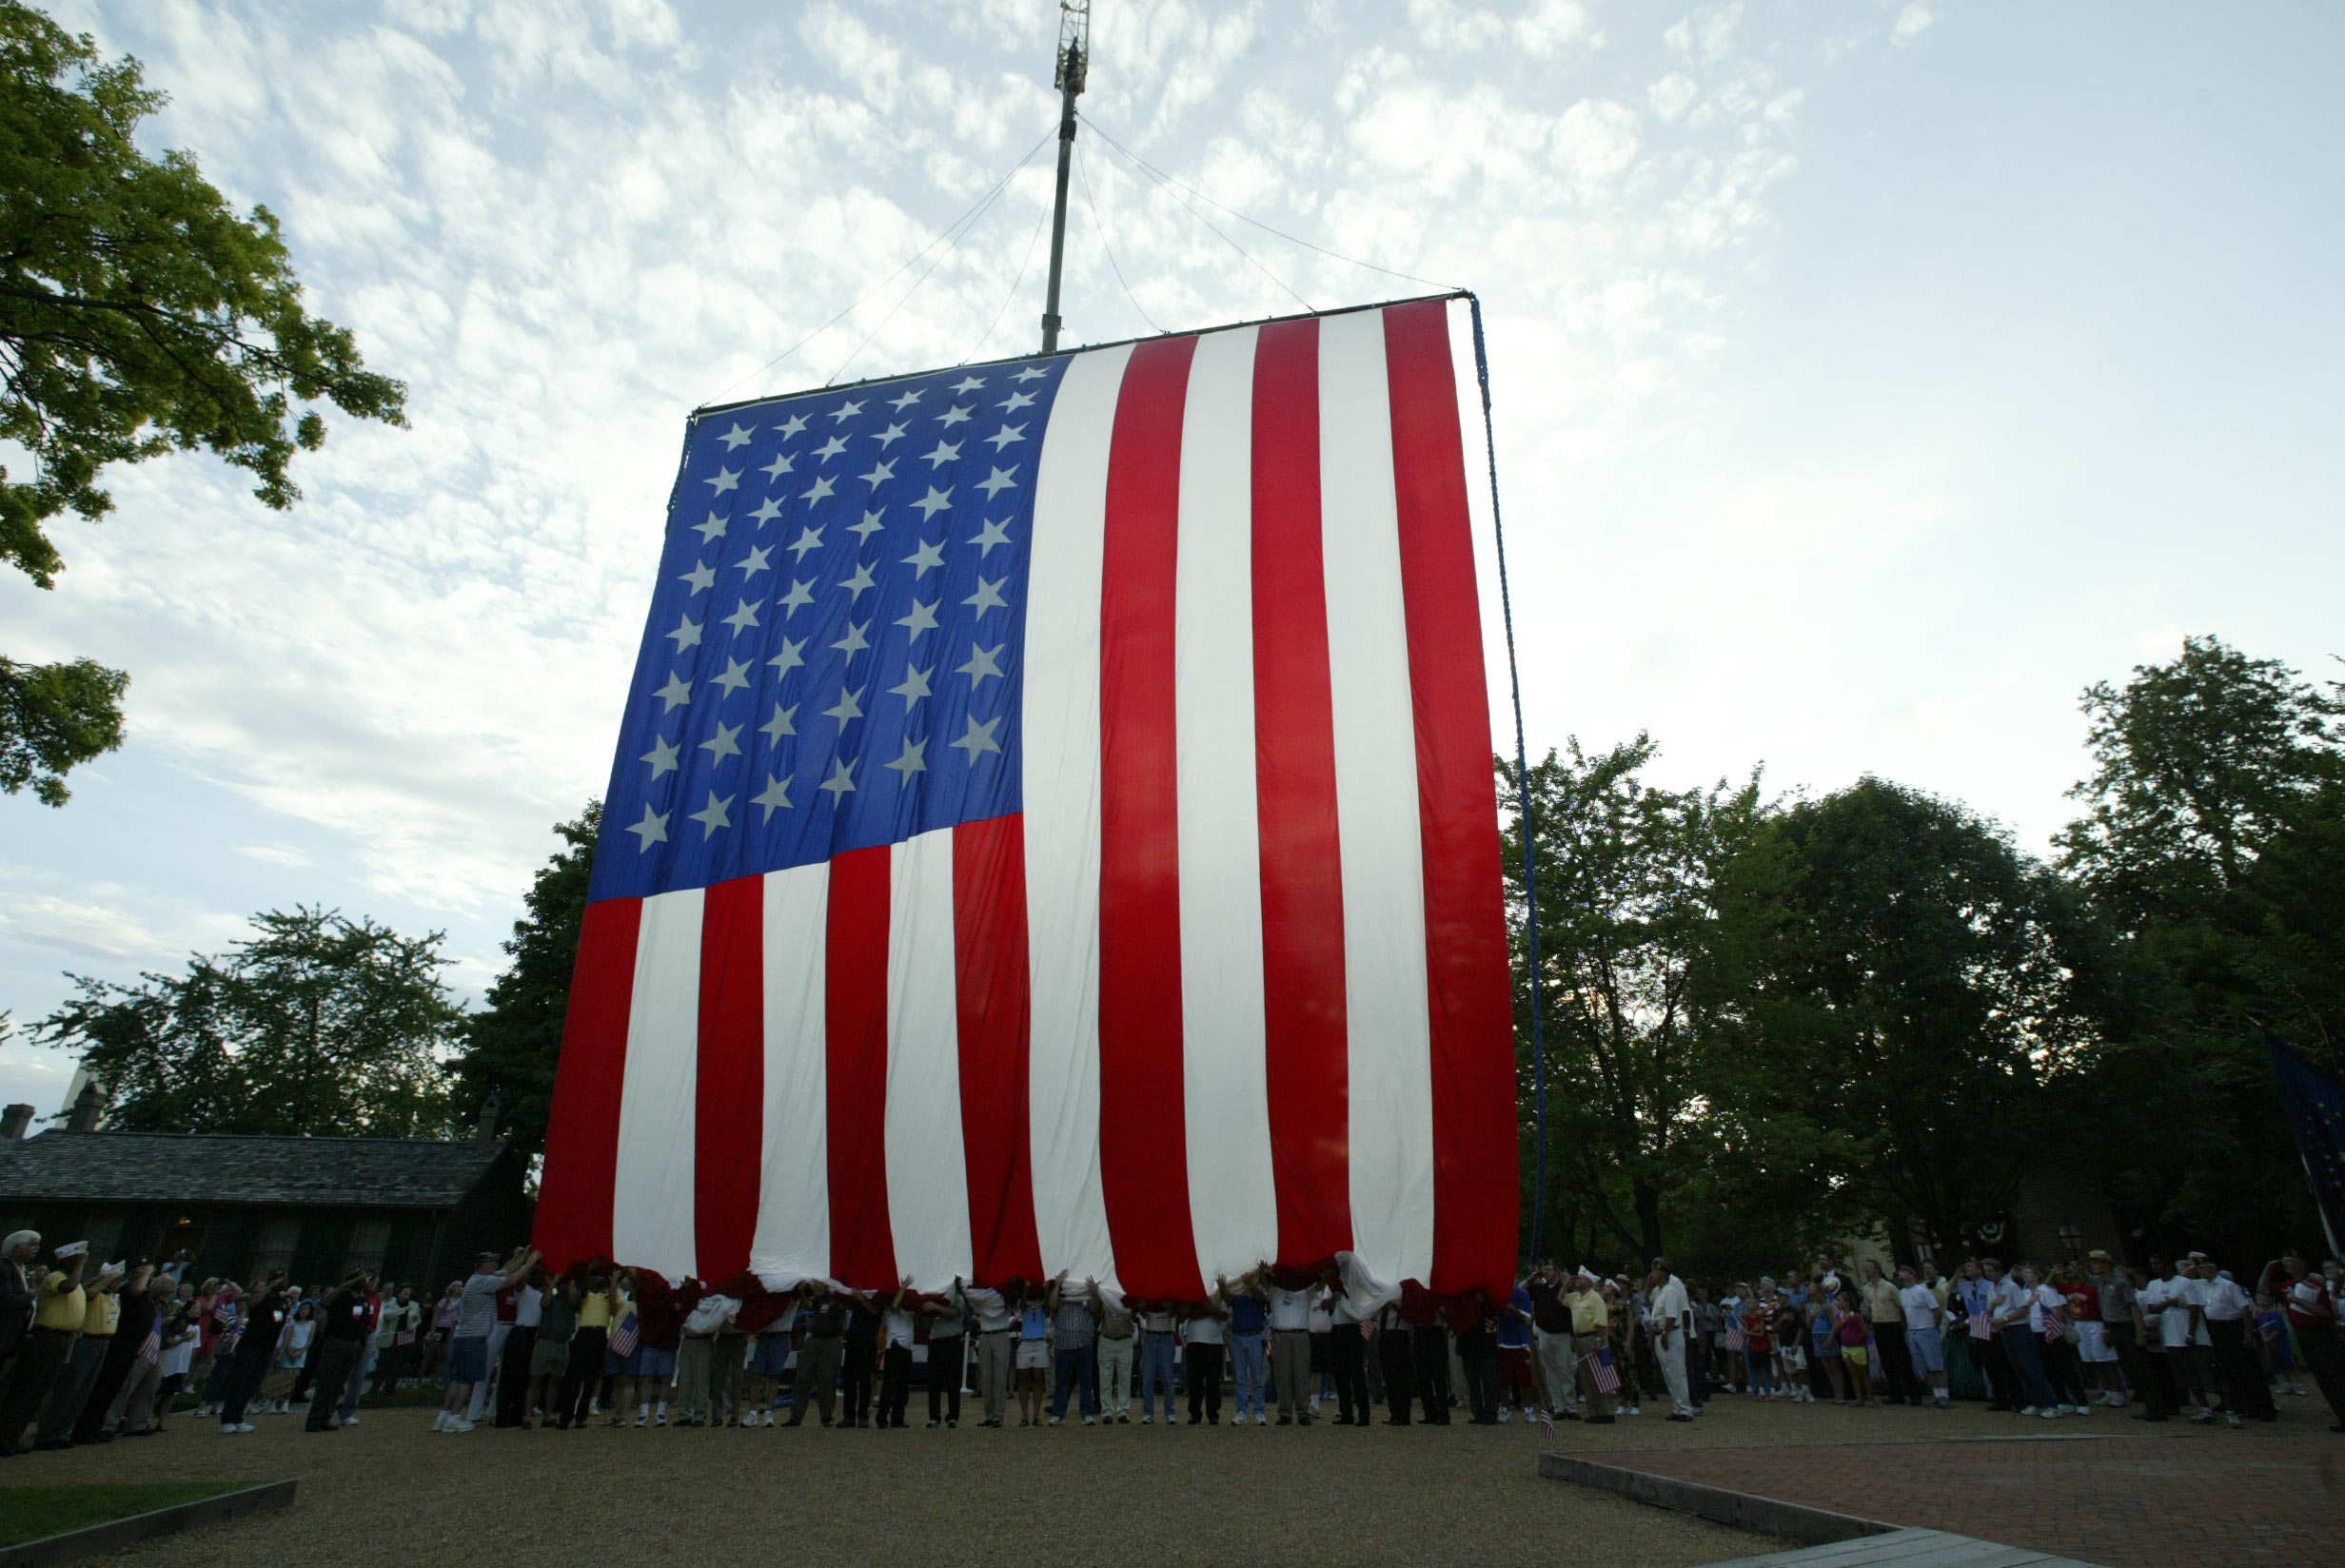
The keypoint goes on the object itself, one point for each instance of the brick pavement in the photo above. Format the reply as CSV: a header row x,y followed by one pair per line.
x,y
2173,1498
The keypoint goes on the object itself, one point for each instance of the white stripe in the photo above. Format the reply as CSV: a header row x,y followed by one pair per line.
x,y
1232,1193
651,1199
927,1180
793,1236
1390,1050
1060,776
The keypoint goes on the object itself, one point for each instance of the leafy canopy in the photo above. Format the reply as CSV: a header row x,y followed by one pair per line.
x,y
316,1024
139,315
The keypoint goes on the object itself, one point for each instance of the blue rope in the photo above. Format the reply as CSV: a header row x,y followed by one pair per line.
x,y
1522,780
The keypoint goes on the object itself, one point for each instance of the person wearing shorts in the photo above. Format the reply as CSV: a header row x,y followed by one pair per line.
x,y
549,1354
475,1315
1032,1368
1850,1329
1924,1341
769,1367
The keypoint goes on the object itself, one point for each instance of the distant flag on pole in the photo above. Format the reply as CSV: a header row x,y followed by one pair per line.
x,y
1053,829
2315,1109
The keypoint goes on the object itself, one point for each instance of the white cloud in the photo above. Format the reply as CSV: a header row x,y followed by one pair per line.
x,y
1911,23
276,855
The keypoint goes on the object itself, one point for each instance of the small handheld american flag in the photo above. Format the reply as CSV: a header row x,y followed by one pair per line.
x,y
1735,1340
1547,1429
2054,1328
150,1348
623,1337
1607,1378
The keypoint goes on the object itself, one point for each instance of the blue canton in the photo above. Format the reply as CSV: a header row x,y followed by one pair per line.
x,y
835,652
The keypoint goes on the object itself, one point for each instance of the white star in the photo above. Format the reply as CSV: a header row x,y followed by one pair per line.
x,y
988,596
889,436
699,577
865,529
725,742
854,641
860,583
797,597
989,536
727,478
927,557
1033,373
654,829
734,438
1007,434
711,529
915,687
735,674
1017,401
846,410
967,383
946,452
782,723
675,694
687,633
661,756
768,512
922,618
935,501
712,815
952,417
808,537
792,656
758,560
792,426
745,616
899,405
979,739
830,448
780,465
840,781
981,663
880,474
848,706
913,759
820,489
998,482
774,796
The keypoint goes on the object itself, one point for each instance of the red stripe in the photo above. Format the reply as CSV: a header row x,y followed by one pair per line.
x,y
582,1134
989,965
1307,1058
729,1113
1143,1137
1476,1199
855,1017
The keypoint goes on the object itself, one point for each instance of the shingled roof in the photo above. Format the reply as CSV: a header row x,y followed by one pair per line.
x,y
137,1167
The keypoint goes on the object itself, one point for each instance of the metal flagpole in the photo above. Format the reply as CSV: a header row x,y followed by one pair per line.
x,y
1074,60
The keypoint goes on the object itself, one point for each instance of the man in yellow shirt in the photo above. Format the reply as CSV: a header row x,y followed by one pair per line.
x,y
1591,1331
57,1320
101,1311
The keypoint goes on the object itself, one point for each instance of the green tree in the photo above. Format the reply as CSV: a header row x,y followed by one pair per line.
x,y
1627,875
139,315
2213,823
513,1043
1909,993
315,1024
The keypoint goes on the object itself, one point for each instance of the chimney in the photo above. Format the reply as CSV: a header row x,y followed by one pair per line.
x,y
88,1108
492,1111
14,1119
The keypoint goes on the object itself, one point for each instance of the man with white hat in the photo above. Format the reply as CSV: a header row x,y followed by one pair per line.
x,y
1668,1321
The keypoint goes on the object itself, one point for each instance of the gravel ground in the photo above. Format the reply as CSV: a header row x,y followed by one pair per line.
x,y
391,1490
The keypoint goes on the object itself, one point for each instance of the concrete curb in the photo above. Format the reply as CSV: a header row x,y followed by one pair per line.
x,y
1790,1521
116,1534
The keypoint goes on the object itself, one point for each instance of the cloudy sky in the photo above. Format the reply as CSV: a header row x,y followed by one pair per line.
x,y
1870,377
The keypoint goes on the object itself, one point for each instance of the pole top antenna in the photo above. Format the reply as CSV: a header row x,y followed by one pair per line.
x,y
1073,46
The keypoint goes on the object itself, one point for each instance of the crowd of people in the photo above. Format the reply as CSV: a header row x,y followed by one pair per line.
x,y
87,1356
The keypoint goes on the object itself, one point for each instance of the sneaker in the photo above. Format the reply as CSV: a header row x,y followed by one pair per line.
x,y
440,1422
1504,1415
2083,1410
1144,1417
1089,1420
228,1431
243,1426
2232,1417
2049,1415
457,1424
350,1421
2031,1410
2204,1418
1054,1421
933,1426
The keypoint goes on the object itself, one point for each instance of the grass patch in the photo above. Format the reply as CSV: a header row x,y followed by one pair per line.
x,y
30,1513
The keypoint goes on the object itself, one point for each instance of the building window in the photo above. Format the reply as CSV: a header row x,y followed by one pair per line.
x,y
279,1237
369,1241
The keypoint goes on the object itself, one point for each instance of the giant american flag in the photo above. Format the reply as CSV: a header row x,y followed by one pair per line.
x,y
1053,828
